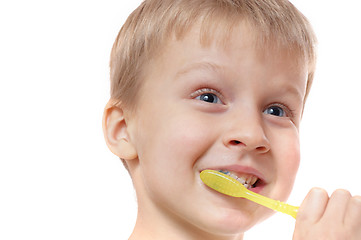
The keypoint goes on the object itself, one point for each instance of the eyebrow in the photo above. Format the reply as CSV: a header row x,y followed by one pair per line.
x,y
207,66
290,89
211,66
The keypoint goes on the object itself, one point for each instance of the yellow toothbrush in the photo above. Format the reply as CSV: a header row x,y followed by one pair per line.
x,y
230,186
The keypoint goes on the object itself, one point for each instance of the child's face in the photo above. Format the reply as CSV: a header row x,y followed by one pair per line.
x,y
215,107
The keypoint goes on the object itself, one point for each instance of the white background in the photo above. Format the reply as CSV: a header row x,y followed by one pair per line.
x,y
58,180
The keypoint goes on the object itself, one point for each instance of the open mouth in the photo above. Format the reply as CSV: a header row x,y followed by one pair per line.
x,y
248,180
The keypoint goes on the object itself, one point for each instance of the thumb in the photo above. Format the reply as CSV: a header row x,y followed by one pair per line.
x,y
314,206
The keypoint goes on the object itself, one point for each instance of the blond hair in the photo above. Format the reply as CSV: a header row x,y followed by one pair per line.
x,y
276,23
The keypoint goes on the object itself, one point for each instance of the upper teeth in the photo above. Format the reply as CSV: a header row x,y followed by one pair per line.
x,y
246,179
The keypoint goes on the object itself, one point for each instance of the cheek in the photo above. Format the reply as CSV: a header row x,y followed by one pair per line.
x,y
168,149
188,138
288,160
173,141
291,160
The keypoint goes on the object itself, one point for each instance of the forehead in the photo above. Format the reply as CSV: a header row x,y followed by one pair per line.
x,y
233,55
239,41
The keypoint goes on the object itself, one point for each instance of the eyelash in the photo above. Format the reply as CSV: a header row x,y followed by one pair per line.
x,y
207,90
290,113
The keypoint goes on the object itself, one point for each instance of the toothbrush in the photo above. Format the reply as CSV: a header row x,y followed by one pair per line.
x,y
228,185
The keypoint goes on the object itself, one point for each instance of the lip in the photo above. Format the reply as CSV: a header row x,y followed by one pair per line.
x,y
239,169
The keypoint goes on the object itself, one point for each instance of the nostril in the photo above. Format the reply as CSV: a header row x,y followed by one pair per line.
x,y
261,149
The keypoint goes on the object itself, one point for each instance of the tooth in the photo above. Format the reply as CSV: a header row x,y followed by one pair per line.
x,y
241,180
253,180
234,176
248,178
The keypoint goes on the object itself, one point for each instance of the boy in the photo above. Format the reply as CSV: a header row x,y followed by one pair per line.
x,y
216,84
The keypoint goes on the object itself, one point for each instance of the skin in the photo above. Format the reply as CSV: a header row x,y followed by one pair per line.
x,y
252,122
332,218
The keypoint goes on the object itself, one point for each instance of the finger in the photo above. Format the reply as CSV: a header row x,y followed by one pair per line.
x,y
353,214
337,205
313,207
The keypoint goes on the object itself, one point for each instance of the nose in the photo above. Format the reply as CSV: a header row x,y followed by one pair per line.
x,y
248,135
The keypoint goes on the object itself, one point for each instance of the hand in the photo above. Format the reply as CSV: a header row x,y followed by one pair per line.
x,y
329,218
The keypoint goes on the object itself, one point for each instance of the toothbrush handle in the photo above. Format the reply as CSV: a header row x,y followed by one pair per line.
x,y
272,204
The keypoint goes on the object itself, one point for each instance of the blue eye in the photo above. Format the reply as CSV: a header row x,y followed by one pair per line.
x,y
208,97
276,111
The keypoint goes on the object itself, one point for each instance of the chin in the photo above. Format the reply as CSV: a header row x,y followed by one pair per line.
x,y
229,222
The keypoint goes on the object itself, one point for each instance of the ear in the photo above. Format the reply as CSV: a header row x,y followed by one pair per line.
x,y
116,133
